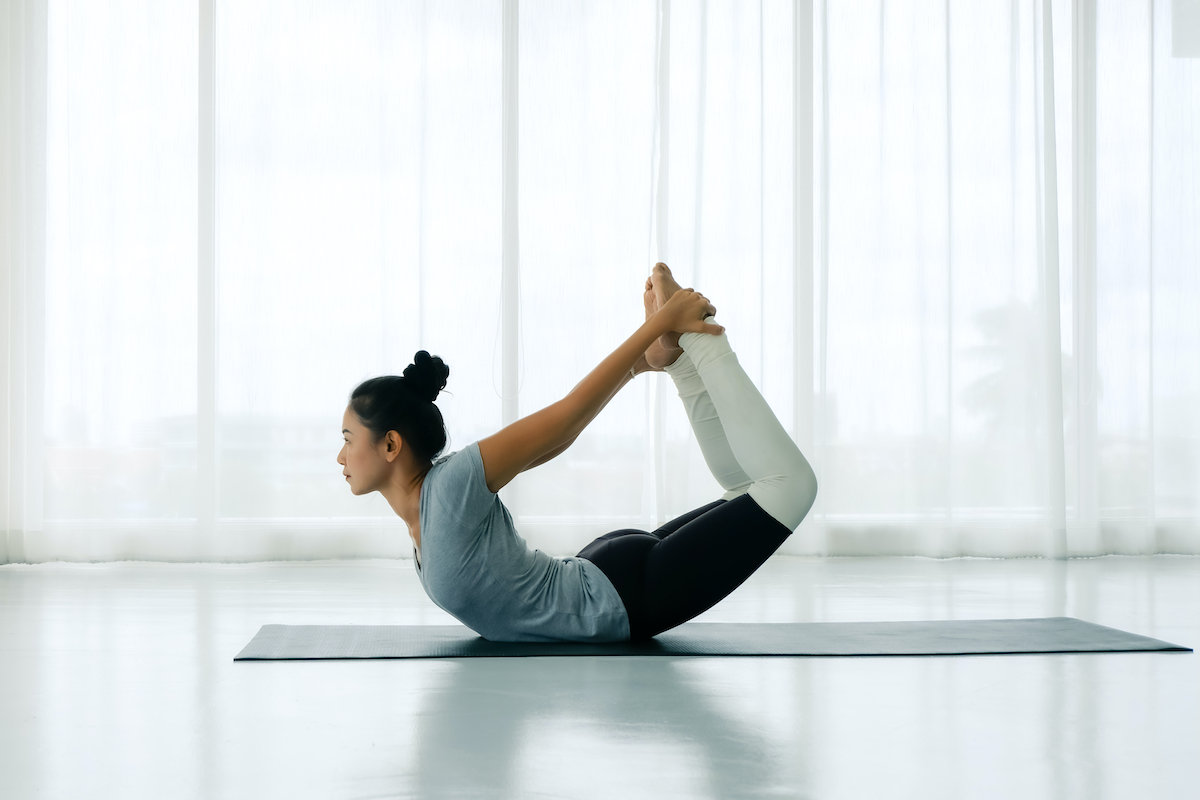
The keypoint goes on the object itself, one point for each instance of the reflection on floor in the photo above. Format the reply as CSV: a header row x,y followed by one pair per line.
x,y
117,680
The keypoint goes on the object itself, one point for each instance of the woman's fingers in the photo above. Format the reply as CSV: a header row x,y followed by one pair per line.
x,y
688,309
700,326
710,309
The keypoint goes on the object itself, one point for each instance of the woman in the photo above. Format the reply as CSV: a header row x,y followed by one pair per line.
x,y
627,584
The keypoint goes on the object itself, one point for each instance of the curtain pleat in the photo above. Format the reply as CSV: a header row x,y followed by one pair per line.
x,y
23,132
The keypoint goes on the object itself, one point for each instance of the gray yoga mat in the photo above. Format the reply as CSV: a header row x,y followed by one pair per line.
x,y
939,638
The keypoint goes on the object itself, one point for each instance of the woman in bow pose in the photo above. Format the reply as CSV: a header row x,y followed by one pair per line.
x,y
625,585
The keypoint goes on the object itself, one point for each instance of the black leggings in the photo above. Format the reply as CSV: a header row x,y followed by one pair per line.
x,y
685,567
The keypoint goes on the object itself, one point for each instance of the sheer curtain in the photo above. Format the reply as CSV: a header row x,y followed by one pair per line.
x,y
955,244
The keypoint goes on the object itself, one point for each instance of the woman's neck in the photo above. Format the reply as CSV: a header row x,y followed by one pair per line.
x,y
404,496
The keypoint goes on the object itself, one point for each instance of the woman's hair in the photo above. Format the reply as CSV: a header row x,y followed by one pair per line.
x,y
405,405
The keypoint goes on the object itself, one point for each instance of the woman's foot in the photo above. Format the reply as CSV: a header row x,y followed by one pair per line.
x,y
659,288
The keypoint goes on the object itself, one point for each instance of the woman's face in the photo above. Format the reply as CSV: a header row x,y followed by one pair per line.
x,y
362,462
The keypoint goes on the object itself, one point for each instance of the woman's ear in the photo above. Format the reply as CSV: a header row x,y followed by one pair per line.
x,y
394,445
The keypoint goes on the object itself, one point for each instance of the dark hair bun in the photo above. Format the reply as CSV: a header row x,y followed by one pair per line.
x,y
426,376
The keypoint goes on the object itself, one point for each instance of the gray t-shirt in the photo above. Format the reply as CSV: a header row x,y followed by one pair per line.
x,y
477,567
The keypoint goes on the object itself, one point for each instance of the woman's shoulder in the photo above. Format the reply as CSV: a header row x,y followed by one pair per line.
x,y
456,484
458,464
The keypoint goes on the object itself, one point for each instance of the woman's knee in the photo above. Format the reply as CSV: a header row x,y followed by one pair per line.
x,y
787,497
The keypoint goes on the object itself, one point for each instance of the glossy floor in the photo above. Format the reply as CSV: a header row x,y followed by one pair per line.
x,y
117,680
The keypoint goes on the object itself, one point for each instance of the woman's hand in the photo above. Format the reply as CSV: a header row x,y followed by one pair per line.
x,y
685,311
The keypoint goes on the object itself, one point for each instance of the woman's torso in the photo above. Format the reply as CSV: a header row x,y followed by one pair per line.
x,y
474,564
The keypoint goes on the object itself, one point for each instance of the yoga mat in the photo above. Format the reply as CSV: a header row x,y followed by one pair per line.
x,y
938,638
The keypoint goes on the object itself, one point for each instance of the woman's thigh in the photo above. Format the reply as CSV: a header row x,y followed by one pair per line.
x,y
621,555
683,519
685,567
705,559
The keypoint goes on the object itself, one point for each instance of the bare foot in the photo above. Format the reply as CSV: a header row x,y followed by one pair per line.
x,y
659,288
664,285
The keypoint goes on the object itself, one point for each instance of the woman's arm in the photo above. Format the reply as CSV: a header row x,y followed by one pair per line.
x,y
556,452
538,437
638,369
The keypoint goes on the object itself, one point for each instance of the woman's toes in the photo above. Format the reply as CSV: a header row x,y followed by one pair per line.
x,y
664,282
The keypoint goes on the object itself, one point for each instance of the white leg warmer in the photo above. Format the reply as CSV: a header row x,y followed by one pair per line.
x,y
706,424
781,480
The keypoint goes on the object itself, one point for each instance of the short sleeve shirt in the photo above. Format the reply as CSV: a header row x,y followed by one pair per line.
x,y
476,566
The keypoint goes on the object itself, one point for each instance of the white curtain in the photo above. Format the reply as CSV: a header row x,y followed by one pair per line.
x,y
956,244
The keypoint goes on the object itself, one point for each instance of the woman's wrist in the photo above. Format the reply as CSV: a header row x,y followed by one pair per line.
x,y
659,324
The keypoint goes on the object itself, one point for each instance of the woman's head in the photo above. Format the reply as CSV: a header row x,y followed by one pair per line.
x,y
400,404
